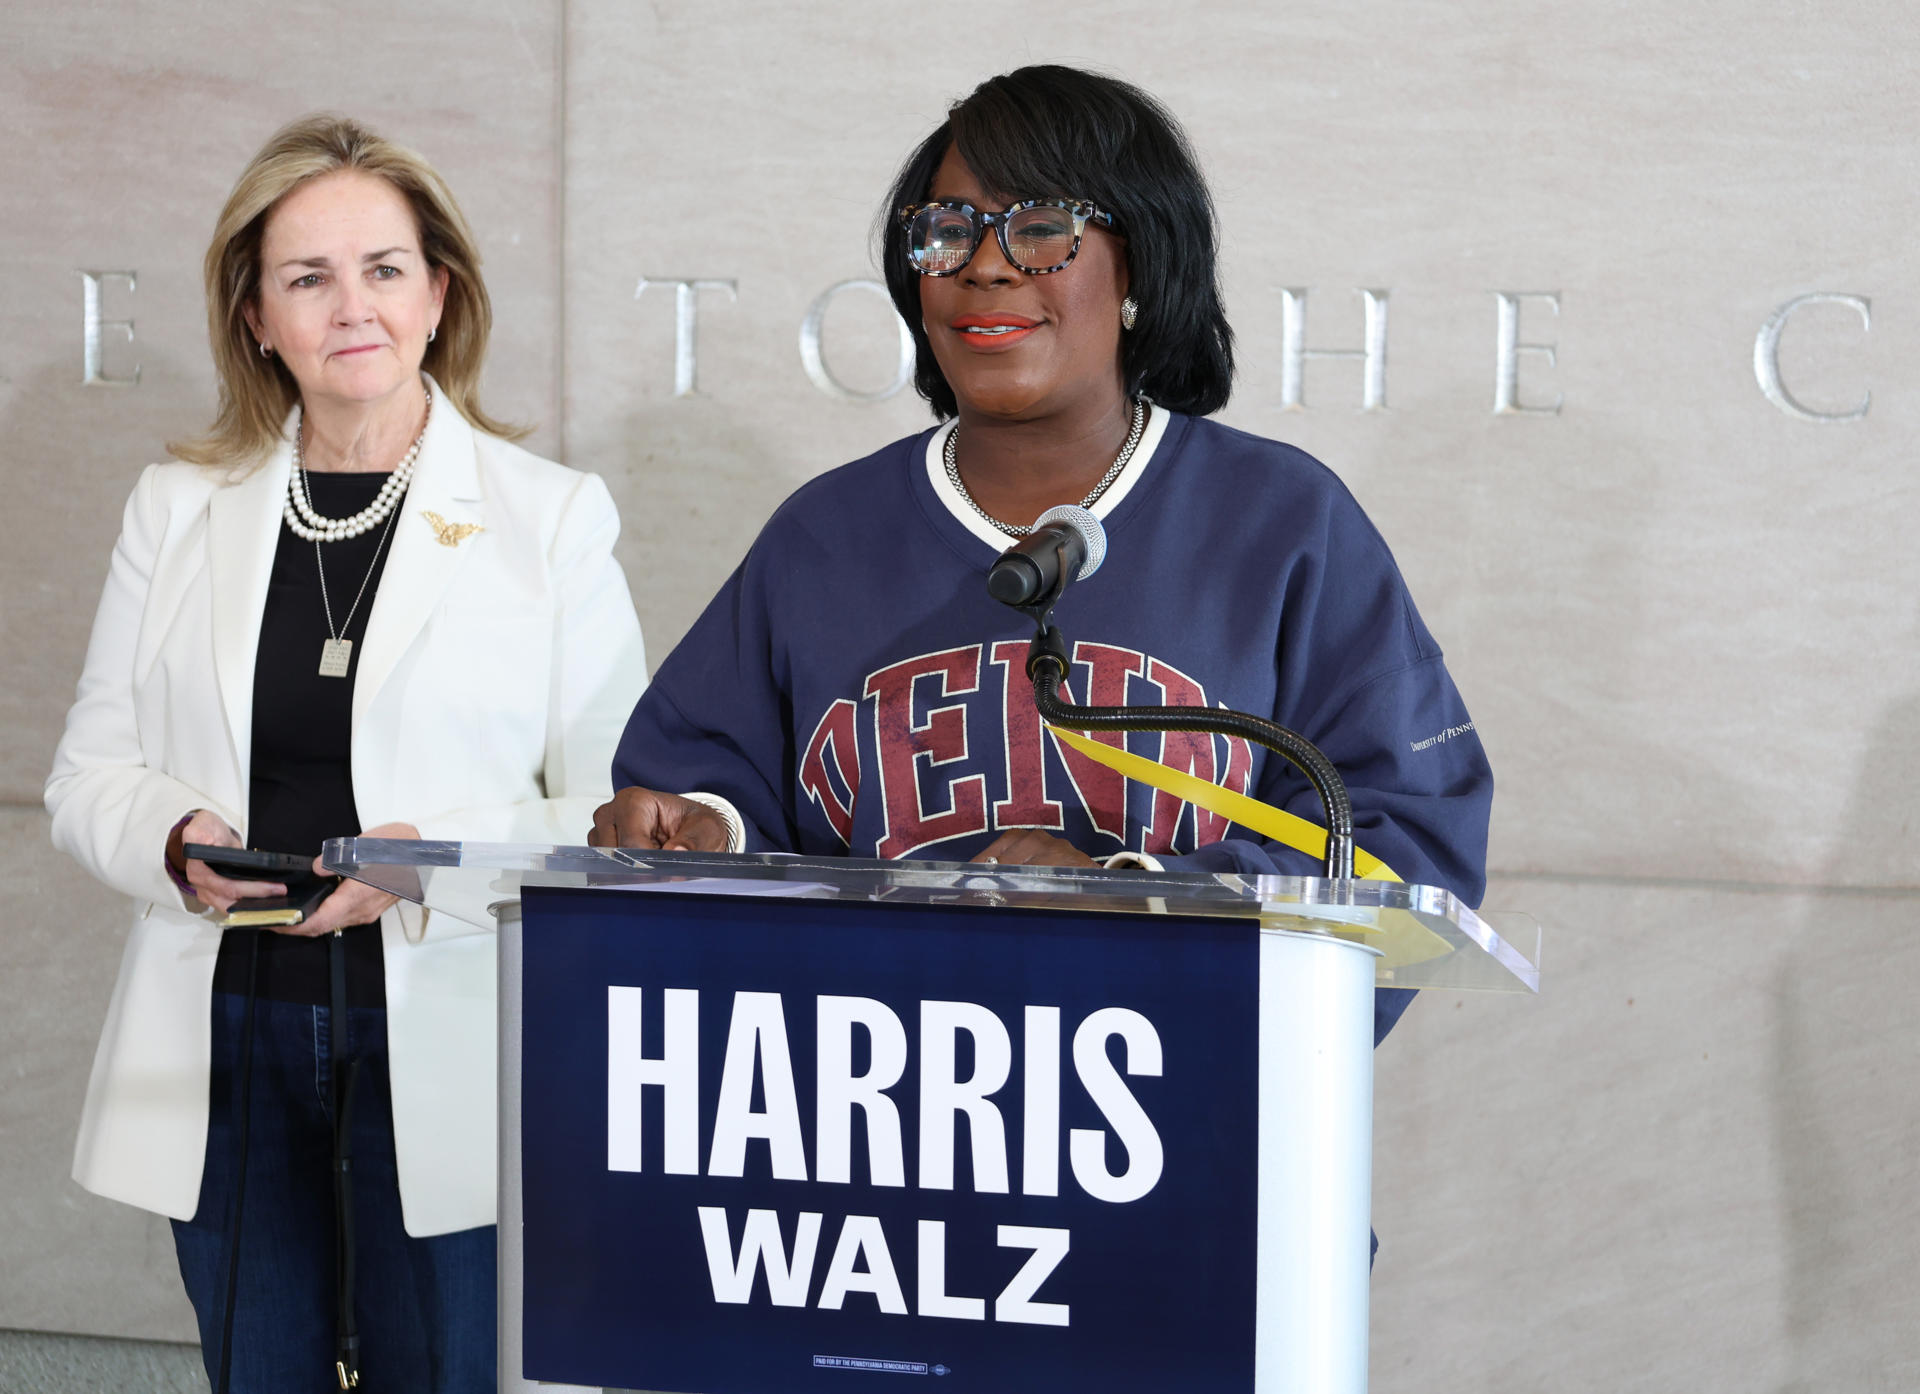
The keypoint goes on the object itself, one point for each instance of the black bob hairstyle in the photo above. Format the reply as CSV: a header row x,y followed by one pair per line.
x,y
1055,132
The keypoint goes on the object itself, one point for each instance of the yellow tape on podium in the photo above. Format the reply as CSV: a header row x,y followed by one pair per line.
x,y
1401,939
1263,818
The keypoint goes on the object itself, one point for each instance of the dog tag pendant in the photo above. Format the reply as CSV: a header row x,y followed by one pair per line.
x,y
335,654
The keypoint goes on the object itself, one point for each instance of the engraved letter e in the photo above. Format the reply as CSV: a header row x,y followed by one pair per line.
x,y
92,327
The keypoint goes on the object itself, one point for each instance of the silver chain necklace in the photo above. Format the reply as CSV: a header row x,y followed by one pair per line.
x,y
950,454
336,655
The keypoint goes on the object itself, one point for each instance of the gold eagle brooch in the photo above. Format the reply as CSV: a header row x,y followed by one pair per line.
x,y
449,534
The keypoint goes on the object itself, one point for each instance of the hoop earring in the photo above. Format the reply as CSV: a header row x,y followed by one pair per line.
x,y
265,352
1129,312
431,333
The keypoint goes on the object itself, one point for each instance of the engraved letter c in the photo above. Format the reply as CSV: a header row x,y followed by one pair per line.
x,y
1766,357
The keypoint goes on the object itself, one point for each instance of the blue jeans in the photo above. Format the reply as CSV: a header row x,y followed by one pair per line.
x,y
425,1307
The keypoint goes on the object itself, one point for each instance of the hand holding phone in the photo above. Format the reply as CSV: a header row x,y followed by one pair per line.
x,y
302,889
210,887
299,899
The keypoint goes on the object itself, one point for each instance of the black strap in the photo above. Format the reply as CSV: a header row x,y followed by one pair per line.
x,y
242,1116
346,1075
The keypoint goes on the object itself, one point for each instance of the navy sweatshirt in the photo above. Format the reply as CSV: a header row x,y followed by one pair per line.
x,y
853,689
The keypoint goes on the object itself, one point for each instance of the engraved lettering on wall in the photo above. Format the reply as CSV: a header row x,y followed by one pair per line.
x,y
1524,356
1294,352
1766,357
1508,350
813,355
95,330
686,324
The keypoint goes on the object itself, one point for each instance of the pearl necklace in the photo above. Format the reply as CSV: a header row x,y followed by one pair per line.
x,y
950,455
309,525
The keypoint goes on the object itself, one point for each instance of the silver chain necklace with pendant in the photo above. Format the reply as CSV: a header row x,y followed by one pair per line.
x,y
336,655
950,455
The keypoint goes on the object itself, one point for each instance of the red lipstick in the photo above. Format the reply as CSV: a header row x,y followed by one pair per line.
x,y
994,331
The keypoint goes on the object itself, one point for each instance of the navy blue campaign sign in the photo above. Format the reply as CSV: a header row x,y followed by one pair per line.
x,y
791,1145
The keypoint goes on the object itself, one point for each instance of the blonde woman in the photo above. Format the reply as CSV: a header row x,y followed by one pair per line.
x,y
354,606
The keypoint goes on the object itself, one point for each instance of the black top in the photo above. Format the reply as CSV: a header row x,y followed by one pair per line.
x,y
301,781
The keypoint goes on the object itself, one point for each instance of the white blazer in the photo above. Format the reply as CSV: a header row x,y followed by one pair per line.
x,y
494,680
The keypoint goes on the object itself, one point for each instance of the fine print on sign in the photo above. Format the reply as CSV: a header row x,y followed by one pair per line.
x,y
770,1145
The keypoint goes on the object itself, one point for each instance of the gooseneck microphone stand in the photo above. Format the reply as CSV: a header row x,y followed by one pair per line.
x,y
1049,660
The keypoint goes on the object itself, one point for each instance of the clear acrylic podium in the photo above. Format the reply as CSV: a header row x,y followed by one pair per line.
x,y
1313,948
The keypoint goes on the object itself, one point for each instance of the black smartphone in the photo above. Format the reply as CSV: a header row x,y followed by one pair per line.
x,y
245,864
303,897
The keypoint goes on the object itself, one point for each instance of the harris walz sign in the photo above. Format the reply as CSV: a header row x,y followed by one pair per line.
x,y
797,1144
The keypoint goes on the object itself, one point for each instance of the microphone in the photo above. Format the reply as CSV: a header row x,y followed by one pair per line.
x,y
1067,544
